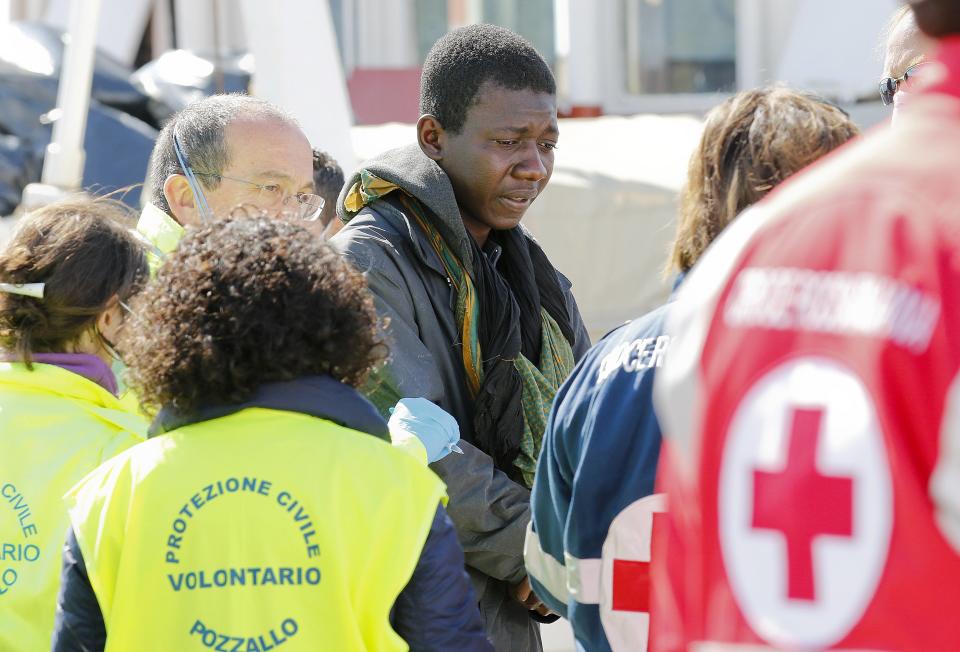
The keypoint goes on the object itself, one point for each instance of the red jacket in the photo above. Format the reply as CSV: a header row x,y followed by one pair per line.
x,y
810,405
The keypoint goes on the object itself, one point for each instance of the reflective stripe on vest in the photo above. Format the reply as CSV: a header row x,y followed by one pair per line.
x,y
257,530
584,580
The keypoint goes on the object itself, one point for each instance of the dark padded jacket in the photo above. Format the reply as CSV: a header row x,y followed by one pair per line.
x,y
411,289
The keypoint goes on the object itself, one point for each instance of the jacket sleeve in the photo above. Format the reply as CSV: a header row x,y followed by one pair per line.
x,y
490,511
437,610
411,370
79,625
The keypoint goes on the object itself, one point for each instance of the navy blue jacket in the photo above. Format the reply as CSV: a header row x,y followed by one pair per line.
x,y
437,610
587,550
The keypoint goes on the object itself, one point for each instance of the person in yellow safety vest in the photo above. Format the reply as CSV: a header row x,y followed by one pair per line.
x,y
268,510
64,277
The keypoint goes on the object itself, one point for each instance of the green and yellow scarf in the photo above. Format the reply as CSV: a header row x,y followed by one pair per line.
x,y
487,378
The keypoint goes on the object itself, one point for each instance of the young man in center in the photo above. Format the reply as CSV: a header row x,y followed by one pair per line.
x,y
480,322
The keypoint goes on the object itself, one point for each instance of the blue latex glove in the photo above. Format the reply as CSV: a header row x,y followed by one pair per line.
x,y
436,430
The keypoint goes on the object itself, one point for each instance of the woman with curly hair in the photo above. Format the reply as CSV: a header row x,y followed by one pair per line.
x,y
64,278
267,508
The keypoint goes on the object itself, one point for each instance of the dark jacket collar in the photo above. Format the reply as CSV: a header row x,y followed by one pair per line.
x,y
318,396
409,168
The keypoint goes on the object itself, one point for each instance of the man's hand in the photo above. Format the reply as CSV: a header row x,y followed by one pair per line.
x,y
523,593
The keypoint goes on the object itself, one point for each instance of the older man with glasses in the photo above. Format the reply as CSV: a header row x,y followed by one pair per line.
x,y
905,52
221,153
217,155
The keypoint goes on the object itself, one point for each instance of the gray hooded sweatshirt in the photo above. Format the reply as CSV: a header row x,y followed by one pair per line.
x,y
411,289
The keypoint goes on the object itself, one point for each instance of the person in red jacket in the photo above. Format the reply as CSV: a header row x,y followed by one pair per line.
x,y
810,401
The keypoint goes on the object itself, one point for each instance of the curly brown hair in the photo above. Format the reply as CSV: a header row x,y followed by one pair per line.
x,y
750,143
81,248
246,301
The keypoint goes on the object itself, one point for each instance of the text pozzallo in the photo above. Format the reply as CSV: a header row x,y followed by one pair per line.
x,y
222,642
250,565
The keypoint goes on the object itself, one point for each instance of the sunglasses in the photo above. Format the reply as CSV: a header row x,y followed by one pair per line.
x,y
890,85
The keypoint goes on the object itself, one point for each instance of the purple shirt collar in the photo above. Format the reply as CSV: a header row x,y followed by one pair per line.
x,y
89,366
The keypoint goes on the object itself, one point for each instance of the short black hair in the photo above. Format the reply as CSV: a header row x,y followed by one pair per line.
x,y
461,61
327,177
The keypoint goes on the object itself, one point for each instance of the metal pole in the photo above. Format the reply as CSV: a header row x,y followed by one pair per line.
x,y
64,157
63,163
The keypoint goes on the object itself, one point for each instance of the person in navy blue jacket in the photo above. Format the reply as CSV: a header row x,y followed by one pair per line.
x,y
588,548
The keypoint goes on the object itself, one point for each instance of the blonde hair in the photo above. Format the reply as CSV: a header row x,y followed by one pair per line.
x,y
892,23
750,143
908,50
898,14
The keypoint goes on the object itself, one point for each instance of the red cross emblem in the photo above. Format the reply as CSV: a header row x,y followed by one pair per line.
x,y
803,437
634,538
631,579
801,503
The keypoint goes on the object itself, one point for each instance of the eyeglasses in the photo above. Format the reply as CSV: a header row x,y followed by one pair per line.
x,y
306,207
302,206
890,85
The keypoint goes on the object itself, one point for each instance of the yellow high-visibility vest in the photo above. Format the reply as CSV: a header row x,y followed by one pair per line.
x,y
258,530
161,232
55,427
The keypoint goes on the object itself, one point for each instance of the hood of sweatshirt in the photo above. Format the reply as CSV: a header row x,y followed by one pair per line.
x,y
420,177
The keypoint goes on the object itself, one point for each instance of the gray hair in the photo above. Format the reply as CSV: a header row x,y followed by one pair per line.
x,y
200,127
